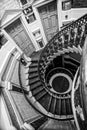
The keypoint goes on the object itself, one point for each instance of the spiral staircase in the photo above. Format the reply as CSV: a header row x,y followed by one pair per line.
x,y
50,74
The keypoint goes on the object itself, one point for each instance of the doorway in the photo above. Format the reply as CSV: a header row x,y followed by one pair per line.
x,y
49,18
18,33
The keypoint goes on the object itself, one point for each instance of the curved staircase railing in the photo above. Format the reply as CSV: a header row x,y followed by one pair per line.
x,y
70,38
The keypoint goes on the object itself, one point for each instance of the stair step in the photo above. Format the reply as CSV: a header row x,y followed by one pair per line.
x,y
40,94
75,61
31,70
68,106
33,75
36,84
70,66
63,107
37,90
52,105
34,64
34,60
33,80
49,104
71,62
71,59
39,122
44,101
27,112
58,107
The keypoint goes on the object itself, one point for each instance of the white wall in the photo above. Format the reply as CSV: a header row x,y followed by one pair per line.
x,y
73,13
4,52
5,121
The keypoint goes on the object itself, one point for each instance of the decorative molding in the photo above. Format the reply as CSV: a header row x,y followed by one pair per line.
x,y
41,2
9,16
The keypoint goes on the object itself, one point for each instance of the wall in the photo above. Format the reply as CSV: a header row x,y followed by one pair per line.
x,y
12,9
72,14
4,52
4,116
79,3
8,4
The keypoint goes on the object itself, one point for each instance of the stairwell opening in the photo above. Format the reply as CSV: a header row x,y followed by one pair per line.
x,y
60,84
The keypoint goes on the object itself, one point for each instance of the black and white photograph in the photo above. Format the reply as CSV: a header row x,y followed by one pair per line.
x,y
43,64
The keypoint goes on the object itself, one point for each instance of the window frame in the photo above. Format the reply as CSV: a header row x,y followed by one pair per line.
x,y
28,3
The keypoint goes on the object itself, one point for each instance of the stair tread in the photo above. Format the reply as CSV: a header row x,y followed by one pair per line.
x,y
33,80
44,101
38,122
63,107
68,107
31,70
52,105
58,107
33,86
32,75
40,95
28,113
37,90
51,124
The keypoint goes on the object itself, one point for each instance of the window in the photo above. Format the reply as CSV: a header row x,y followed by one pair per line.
x,y
39,39
40,43
31,18
29,14
66,5
24,2
28,10
37,34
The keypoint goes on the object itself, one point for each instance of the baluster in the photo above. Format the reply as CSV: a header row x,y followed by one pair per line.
x,y
66,39
72,35
83,35
78,36
60,43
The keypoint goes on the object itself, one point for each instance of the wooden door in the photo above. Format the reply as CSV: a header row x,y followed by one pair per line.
x,y
48,15
18,33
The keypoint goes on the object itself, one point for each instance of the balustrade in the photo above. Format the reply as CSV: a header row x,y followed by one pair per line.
x,y
72,35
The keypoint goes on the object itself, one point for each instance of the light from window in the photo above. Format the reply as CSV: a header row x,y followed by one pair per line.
x,y
23,2
66,5
41,44
30,18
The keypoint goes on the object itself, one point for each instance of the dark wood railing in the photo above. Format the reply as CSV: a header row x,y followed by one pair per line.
x,y
72,35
